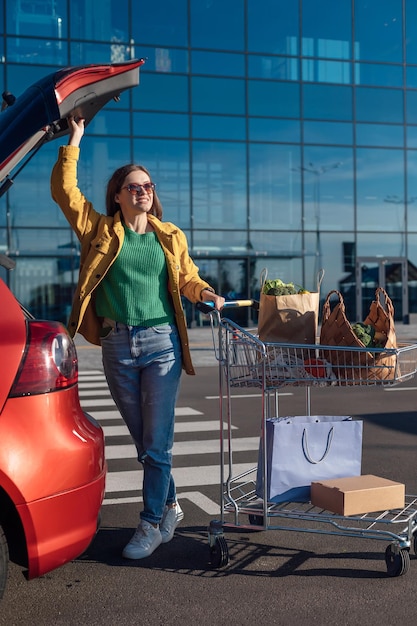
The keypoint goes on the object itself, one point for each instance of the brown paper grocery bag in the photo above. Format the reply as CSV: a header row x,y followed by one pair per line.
x,y
289,319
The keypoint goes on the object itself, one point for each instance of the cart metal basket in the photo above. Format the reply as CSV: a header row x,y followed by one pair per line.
x,y
245,361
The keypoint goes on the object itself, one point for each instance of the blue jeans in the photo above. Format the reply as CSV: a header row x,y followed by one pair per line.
x,y
143,371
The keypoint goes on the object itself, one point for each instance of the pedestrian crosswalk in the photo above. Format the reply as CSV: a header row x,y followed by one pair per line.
x,y
199,441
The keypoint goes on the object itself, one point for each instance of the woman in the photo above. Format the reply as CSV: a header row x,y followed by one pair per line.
x,y
134,268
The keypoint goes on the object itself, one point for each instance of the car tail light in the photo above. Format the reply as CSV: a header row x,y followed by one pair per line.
x,y
49,362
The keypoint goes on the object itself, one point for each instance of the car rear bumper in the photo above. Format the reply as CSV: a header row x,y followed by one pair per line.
x,y
61,527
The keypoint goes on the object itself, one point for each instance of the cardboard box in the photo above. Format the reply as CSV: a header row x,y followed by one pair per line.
x,y
358,494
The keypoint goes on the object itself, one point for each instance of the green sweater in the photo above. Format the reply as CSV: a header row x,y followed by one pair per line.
x,y
135,289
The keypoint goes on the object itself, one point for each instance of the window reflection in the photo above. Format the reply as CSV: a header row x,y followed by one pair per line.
x,y
329,36
379,105
152,95
380,175
378,30
328,188
164,60
169,164
378,74
273,28
218,127
217,24
217,63
274,187
411,99
219,185
273,67
101,21
269,129
328,132
412,189
160,23
379,135
325,102
36,51
160,124
319,71
273,99
218,95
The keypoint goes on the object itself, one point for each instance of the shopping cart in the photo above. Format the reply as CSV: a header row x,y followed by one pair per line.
x,y
245,361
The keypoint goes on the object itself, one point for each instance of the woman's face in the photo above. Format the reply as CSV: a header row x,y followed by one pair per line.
x,y
136,193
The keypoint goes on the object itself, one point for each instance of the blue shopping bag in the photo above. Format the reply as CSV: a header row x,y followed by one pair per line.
x,y
303,449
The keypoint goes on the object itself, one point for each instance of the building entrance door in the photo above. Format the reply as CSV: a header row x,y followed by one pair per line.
x,y
391,273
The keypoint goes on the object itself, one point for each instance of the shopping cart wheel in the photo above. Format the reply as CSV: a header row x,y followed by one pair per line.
x,y
397,560
219,552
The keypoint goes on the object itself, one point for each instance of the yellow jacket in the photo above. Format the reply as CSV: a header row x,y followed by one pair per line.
x,y
101,239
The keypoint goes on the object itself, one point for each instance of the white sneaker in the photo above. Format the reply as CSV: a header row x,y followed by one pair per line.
x,y
170,520
145,540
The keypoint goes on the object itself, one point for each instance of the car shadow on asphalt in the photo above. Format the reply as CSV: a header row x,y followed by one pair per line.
x,y
189,551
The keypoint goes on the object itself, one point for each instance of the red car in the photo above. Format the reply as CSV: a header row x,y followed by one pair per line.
x,y
52,464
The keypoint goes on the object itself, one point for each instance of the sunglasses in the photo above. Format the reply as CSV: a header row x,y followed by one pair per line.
x,y
135,189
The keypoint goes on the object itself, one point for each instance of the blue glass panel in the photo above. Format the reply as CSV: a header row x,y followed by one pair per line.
x,y
100,21
318,71
410,30
37,51
328,188
161,92
328,132
273,67
379,135
268,129
218,95
163,60
327,102
83,53
43,19
412,187
379,176
375,244
218,24
378,30
108,122
275,188
160,125
411,136
169,164
411,73
326,28
379,74
162,22
224,243
218,127
273,99
273,27
217,63
411,107
379,105
219,185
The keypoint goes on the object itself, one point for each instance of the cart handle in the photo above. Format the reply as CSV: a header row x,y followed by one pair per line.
x,y
208,307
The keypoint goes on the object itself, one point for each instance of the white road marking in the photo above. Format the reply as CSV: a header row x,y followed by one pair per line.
x,y
182,448
180,427
196,476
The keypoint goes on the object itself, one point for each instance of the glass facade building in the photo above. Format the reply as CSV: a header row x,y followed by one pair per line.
x,y
279,134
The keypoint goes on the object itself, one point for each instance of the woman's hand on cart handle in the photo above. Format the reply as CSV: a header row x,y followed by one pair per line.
x,y
208,307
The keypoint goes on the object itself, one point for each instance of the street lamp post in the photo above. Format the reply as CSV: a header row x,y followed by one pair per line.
x,y
317,172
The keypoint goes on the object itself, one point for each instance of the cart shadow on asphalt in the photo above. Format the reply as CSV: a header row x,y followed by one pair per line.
x,y
402,421
247,557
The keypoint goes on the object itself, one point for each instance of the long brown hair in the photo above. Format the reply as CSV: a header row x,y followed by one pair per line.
x,y
116,183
